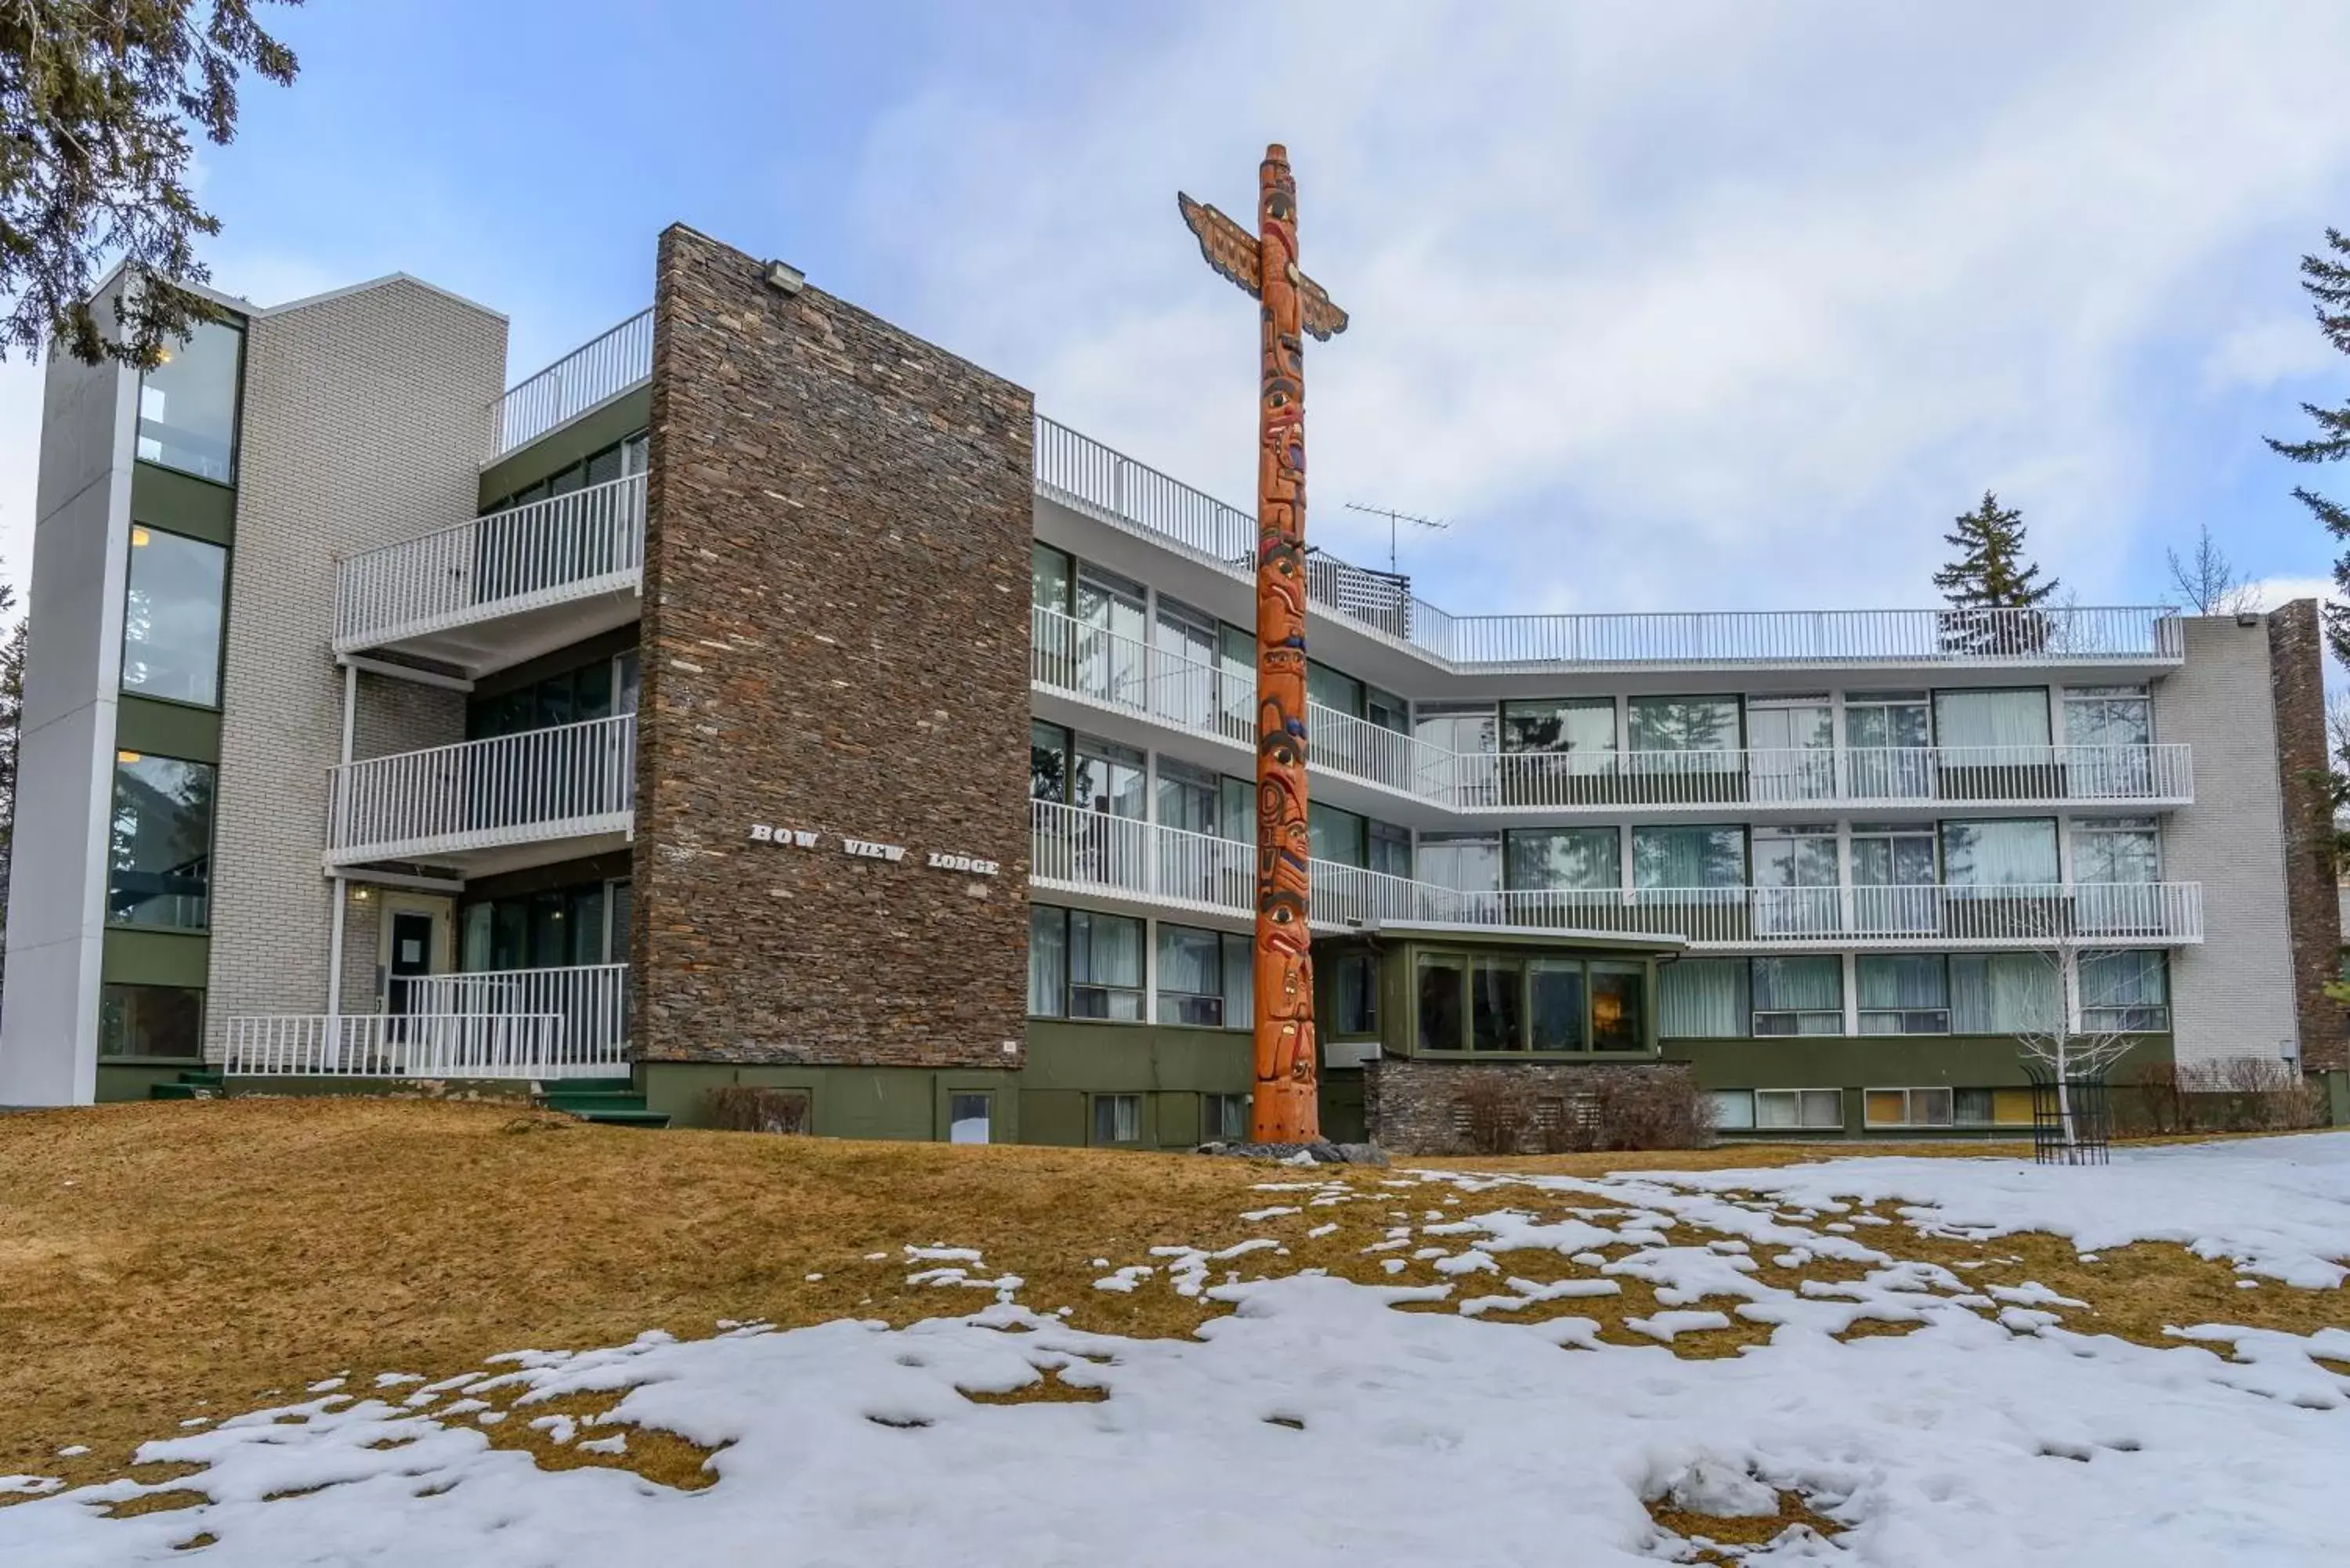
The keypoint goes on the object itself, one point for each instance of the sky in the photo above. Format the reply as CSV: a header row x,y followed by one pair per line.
x,y
1687,306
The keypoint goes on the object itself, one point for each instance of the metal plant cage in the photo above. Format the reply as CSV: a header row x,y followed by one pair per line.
x,y
2074,1126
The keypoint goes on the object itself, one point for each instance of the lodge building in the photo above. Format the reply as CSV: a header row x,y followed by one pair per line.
x,y
671,720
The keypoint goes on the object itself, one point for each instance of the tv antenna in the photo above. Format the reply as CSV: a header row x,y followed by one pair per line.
x,y
1394,519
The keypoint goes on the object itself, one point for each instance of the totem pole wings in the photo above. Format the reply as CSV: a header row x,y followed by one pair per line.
x,y
1234,253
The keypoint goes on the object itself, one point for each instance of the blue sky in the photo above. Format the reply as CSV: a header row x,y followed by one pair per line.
x,y
1710,305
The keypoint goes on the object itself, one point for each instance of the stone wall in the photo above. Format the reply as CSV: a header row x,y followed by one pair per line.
x,y
1412,1107
2312,906
835,641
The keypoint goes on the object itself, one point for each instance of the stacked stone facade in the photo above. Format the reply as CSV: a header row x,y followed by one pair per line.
x,y
2297,678
836,643
1412,1107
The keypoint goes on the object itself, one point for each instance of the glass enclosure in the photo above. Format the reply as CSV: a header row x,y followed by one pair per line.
x,y
187,404
171,617
159,852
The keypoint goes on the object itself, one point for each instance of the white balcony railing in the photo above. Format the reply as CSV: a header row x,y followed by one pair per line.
x,y
589,1002
1166,686
1079,850
1086,476
569,781
591,541
588,375
403,1045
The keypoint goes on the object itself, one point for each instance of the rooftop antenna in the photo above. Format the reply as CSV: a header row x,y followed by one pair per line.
x,y
1394,518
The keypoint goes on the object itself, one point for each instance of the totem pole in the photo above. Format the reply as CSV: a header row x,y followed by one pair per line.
x,y
1287,1107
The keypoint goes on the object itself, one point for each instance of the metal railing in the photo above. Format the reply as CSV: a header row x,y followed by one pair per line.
x,y
589,1002
1087,851
1087,476
567,546
1165,685
403,1046
601,368
571,779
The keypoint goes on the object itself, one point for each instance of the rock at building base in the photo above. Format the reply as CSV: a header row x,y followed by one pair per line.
x,y
1322,1152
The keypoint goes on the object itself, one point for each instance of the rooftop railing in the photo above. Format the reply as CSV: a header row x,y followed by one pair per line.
x,y
1082,850
1089,477
588,375
1165,686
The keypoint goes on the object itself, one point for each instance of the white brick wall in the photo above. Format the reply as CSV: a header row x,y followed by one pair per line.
x,y
364,423
2232,996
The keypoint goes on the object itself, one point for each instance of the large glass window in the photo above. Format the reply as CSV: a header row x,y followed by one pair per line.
x,y
1327,686
1497,987
150,1021
1555,1003
158,861
187,404
1105,966
2016,853
1444,981
1111,645
1893,876
1582,728
582,923
1387,710
1204,977
2125,990
1050,575
1452,727
1465,862
1618,1006
1703,999
1576,858
1996,721
567,697
1354,994
1390,849
1795,876
1190,798
1048,960
2108,728
1336,835
2003,994
1887,735
1792,742
1110,778
1685,724
1684,858
2123,849
1904,994
1799,996
1048,763
1184,690
171,617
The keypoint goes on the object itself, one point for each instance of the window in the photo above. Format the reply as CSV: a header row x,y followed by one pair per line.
x,y
1327,687
1465,862
1443,980
1565,858
1117,1118
1048,960
1683,725
1387,710
1703,999
1792,747
1908,1107
1224,1119
1050,575
1733,1109
159,859
1799,996
150,1021
567,697
1048,763
1469,731
1109,640
1555,1004
1799,1110
2122,850
1991,1107
1202,978
171,617
583,923
2108,728
187,404
1618,1014
1337,835
1497,989
1354,995
1904,994
2021,853
1887,735
1390,849
1580,728
1184,690
1689,857
1190,798
1236,810
1892,876
1105,966
2125,991
2003,994
1994,725
1109,779
971,1118
1795,876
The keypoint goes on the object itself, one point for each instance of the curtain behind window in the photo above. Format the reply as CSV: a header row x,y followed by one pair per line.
x,y
2003,994
1048,960
1702,999
2015,718
1689,857
2011,853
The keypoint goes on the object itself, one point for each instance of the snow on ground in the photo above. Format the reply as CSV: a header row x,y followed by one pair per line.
x,y
1318,1425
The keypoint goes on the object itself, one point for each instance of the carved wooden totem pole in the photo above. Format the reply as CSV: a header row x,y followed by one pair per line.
x,y
1287,1103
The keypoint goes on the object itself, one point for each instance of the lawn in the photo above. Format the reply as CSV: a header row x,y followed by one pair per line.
x,y
350,1266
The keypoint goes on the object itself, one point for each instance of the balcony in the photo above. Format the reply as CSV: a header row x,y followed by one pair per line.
x,y
1125,676
488,805
589,375
1140,863
1094,481
501,588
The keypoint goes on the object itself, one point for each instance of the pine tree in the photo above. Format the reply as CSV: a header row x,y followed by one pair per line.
x,y
96,102
2327,281
1988,574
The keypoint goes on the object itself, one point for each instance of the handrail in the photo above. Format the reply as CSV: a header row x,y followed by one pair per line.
x,y
1219,701
590,1002
602,368
409,1045
1095,479
559,782
1084,850
497,564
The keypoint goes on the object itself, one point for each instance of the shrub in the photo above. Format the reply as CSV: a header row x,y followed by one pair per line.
x,y
1505,1110
746,1107
1658,1108
1492,1112
2249,1093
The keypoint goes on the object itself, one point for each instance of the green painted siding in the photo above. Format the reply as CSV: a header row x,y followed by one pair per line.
x,y
1874,1062
121,1081
182,504
615,422
167,729
845,1102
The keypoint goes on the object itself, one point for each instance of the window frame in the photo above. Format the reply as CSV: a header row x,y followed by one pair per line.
x,y
125,757
1095,1104
219,618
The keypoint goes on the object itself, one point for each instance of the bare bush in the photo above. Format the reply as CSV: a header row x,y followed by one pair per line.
x,y
1661,1108
746,1107
1492,1112
1503,1110
2246,1093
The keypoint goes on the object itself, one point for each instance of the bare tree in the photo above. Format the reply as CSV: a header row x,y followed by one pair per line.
x,y
2079,1036
2209,580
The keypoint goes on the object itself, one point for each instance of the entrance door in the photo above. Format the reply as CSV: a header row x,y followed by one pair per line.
x,y
412,957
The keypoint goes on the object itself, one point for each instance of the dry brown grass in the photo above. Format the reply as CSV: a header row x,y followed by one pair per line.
x,y
163,1261
1731,1529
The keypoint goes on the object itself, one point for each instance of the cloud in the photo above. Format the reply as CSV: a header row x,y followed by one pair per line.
x,y
2261,354
2269,593
1681,306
